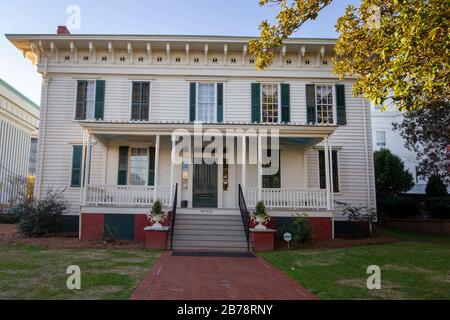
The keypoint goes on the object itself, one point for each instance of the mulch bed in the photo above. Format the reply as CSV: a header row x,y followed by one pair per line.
x,y
9,235
338,243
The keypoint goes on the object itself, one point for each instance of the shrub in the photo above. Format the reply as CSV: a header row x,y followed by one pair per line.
x,y
391,177
438,208
400,208
7,217
302,229
41,217
435,187
360,216
260,209
157,208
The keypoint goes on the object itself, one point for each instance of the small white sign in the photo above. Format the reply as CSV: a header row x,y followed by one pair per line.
x,y
287,237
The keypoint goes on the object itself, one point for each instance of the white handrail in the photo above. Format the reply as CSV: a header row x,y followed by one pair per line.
x,y
288,198
136,196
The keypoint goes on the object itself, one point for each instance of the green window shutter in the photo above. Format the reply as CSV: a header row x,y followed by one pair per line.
x,y
77,155
335,171
151,166
220,102
322,172
340,104
99,99
80,111
192,100
256,102
311,103
285,102
122,176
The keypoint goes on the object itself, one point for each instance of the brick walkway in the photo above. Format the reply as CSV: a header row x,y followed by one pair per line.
x,y
214,278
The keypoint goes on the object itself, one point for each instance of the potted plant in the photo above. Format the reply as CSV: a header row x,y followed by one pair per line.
x,y
260,216
157,215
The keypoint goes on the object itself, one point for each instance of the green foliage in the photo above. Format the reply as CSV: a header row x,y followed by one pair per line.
x,y
157,208
391,177
41,217
359,214
396,50
438,208
400,208
302,229
425,132
435,187
8,217
260,209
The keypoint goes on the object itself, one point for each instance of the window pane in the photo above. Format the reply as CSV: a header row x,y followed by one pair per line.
x,y
381,138
33,155
90,100
269,103
140,101
138,166
206,102
324,101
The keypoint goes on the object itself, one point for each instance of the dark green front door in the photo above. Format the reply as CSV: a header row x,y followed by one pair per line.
x,y
205,186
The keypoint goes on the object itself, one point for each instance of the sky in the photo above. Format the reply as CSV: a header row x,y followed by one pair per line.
x,y
184,17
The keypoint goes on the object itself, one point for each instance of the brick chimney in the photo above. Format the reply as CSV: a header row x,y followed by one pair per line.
x,y
62,30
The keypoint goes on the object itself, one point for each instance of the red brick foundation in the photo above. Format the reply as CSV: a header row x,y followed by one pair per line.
x,y
140,222
322,228
156,239
92,226
263,240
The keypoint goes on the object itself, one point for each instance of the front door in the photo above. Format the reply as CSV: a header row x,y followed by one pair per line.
x,y
205,186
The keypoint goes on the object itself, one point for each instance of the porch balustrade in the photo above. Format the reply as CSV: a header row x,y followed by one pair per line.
x,y
288,198
135,196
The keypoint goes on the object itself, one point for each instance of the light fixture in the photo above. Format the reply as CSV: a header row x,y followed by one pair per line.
x,y
307,61
196,60
104,58
252,61
178,59
122,58
215,60
288,61
67,58
85,58
233,60
159,59
141,59
325,62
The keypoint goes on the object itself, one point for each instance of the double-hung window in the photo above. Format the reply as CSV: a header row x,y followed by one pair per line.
x,y
272,181
85,109
138,166
381,138
270,103
206,105
140,104
324,104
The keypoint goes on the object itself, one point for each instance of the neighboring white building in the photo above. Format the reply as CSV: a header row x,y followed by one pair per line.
x,y
384,136
111,103
19,121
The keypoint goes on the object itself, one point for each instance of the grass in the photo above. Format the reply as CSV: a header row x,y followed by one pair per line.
x,y
417,267
32,272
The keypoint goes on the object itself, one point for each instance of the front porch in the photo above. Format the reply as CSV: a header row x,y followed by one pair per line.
x,y
298,190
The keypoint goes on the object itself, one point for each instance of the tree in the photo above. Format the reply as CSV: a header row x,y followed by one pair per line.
x,y
391,177
427,133
435,187
398,50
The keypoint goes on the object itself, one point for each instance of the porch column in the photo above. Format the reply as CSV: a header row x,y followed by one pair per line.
x,y
172,167
305,170
155,190
260,168
327,173
244,163
331,173
87,170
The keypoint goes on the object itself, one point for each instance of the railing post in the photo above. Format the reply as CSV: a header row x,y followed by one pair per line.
x,y
327,173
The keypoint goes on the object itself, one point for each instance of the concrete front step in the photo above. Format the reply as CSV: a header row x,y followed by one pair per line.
x,y
223,232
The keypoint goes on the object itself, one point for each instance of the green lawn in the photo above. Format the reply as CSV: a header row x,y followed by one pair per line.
x,y
31,272
417,267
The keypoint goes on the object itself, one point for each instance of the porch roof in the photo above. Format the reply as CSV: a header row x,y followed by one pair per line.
x,y
107,129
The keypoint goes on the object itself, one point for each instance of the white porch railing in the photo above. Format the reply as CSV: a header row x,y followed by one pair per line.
x,y
288,198
135,196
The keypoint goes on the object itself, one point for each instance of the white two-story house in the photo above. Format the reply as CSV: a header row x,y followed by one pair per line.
x,y
116,107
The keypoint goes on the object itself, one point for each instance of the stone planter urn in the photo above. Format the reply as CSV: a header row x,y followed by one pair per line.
x,y
157,215
260,216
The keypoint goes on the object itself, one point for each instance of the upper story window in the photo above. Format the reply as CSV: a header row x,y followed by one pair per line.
x,y
270,103
324,104
206,102
90,99
381,138
140,104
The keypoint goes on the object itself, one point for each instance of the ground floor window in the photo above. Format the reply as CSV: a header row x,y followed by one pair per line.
x,y
322,172
138,166
272,181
